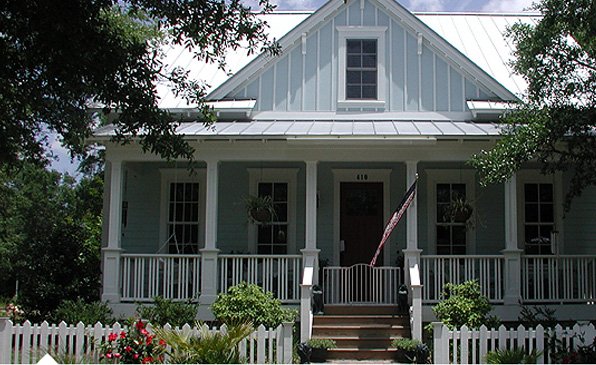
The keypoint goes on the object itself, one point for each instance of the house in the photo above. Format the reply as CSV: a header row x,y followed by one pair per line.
x,y
365,97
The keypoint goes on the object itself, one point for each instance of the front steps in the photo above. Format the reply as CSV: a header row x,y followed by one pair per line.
x,y
361,332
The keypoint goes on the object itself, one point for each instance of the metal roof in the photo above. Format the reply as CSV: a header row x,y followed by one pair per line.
x,y
479,36
275,129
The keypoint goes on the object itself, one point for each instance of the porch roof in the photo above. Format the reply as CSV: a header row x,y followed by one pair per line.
x,y
274,129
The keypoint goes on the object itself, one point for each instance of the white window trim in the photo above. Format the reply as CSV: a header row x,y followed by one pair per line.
x,y
450,176
535,177
180,175
283,175
355,175
357,32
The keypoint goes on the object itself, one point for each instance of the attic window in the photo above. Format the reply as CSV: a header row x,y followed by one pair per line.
x,y
361,69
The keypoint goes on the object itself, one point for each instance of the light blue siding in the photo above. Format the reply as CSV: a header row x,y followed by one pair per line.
x,y
369,14
397,67
456,90
442,81
579,225
281,84
324,94
413,82
266,98
310,83
428,89
296,75
412,86
354,13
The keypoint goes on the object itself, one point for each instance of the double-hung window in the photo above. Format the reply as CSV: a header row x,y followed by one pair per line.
x,y
361,69
182,213
278,236
539,218
451,229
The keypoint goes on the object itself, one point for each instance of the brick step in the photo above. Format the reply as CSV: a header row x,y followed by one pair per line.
x,y
361,354
361,330
364,342
361,319
355,309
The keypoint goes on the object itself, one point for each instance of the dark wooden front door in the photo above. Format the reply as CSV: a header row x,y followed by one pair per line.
x,y
361,221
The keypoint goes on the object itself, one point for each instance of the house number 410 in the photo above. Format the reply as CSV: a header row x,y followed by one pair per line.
x,y
361,177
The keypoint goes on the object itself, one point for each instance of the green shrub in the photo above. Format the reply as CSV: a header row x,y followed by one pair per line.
x,y
406,344
206,348
164,311
249,303
73,312
515,356
321,343
463,304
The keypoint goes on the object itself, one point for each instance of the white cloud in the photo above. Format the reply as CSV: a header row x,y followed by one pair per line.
x,y
298,4
507,6
426,5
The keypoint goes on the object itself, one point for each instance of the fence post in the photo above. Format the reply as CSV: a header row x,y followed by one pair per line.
x,y
440,343
287,342
5,340
540,343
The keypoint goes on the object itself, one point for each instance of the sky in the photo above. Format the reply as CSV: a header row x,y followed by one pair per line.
x,y
63,163
493,6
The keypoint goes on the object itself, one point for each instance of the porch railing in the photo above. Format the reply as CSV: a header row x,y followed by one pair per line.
x,y
145,276
279,274
360,284
440,270
559,279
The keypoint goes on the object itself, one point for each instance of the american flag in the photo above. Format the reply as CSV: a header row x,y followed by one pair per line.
x,y
395,218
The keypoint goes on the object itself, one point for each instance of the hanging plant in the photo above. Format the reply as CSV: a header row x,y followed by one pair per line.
x,y
260,209
460,211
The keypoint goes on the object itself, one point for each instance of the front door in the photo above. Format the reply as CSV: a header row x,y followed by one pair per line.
x,y
361,221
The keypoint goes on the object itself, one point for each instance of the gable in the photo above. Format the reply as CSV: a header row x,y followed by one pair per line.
x,y
420,72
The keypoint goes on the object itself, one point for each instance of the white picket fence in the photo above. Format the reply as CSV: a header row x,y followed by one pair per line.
x,y
466,346
28,343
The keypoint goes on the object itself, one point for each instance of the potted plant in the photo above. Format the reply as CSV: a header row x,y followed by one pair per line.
x,y
319,347
260,209
410,350
459,210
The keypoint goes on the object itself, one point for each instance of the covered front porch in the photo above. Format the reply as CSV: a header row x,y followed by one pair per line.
x,y
216,247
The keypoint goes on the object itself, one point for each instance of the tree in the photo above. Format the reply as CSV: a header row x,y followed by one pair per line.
x,y
556,123
57,58
50,232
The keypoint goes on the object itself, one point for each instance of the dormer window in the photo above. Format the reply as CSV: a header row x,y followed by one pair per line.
x,y
361,69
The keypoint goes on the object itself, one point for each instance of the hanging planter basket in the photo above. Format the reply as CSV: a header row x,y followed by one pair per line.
x,y
260,209
460,211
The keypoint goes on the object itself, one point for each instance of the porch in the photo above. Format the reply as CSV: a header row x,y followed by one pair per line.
x,y
217,248
543,279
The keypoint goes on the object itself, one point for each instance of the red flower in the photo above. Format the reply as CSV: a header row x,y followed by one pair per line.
x,y
112,337
135,356
117,355
122,334
128,349
140,325
144,332
162,342
149,340
109,355
147,360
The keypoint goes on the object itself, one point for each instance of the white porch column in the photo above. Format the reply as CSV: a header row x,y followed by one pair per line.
x,y
412,252
111,253
209,253
310,253
310,244
511,253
